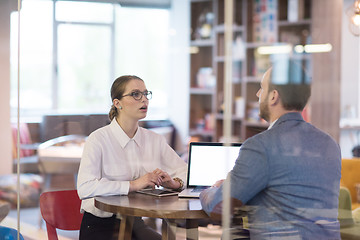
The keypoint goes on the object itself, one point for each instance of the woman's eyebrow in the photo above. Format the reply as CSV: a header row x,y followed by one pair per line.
x,y
138,90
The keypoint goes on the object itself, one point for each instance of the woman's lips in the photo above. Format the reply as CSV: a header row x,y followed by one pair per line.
x,y
143,108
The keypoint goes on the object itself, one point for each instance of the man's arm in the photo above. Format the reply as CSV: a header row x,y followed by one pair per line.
x,y
211,201
248,177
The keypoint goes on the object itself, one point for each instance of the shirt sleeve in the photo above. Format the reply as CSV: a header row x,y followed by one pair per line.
x,y
248,177
90,182
209,198
173,164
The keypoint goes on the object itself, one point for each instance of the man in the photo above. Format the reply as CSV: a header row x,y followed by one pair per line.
x,y
288,175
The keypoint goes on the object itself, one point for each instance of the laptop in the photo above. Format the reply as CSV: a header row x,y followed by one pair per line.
x,y
208,162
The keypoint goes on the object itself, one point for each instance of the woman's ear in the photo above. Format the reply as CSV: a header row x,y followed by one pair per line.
x,y
116,103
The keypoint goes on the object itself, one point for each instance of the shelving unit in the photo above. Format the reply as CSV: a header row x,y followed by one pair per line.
x,y
250,32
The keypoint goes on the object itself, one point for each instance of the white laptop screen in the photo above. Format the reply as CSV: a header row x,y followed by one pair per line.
x,y
209,162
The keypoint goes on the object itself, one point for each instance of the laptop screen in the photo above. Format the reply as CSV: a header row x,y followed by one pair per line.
x,y
209,162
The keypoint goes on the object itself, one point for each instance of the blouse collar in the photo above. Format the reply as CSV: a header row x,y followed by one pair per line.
x,y
121,136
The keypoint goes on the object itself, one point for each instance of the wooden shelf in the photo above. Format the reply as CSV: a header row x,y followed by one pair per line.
x,y
220,116
222,59
251,79
248,66
199,1
202,91
207,133
256,124
261,44
300,22
235,28
202,43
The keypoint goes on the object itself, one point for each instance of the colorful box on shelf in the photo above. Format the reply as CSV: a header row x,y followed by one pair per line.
x,y
205,78
264,21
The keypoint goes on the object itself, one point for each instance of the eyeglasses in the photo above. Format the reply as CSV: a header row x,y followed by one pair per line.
x,y
137,95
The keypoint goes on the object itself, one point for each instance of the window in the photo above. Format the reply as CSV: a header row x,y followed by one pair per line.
x,y
84,56
142,49
35,55
69,61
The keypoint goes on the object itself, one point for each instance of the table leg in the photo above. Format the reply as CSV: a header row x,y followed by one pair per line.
x,y
192,229
126,226
168,229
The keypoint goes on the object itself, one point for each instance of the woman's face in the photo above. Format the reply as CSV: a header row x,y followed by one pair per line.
x,y
131,108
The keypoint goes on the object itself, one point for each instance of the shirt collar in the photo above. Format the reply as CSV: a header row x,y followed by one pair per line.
x,y
121,136
291,116
272,124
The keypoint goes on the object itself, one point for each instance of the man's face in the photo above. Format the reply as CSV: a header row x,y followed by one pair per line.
x,y
263,95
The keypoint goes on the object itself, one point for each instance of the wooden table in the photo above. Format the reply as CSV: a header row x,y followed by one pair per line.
x,y
169,209
59,160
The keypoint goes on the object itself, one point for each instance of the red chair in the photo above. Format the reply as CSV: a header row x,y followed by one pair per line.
x,y
60,210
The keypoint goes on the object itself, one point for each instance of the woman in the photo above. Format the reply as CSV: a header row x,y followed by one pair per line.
x,y
123,157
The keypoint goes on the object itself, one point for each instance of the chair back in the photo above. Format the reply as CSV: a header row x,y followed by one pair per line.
x,y
9,233
350,175
60,210
345,214
25,139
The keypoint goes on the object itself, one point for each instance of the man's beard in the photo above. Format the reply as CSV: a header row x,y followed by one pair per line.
x,y
264,112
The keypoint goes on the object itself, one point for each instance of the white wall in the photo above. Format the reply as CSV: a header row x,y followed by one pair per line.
x,y
5,130
179,66
350,65
350,83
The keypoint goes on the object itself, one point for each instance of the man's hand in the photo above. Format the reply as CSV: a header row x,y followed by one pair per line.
x,y
218,183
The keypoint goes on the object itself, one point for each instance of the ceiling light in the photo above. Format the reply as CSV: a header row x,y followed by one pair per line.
x,y
316,48
266,50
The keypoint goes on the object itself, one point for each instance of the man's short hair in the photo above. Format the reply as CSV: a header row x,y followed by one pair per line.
x,y
292,82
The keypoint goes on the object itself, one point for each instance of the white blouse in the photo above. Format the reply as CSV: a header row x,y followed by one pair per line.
x,y
111,160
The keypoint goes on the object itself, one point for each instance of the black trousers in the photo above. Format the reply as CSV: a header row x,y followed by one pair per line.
x,y
97,228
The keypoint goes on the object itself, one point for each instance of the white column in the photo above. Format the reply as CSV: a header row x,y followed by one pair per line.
x,y
6,6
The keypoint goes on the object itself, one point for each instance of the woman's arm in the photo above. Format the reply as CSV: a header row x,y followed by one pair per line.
x,y
90,182
174,169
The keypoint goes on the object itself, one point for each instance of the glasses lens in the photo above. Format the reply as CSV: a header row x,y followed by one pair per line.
x,y
148,95
137,95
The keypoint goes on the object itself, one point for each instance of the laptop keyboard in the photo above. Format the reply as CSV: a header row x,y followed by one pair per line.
x,y
199,189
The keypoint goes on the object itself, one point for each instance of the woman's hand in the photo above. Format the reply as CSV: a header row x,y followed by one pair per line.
x,y
148,180
166,180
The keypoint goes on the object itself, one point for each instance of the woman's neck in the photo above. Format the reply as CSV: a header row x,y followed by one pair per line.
x,y
128,126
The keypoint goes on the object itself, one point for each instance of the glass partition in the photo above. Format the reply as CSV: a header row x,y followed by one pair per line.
x,y
204,68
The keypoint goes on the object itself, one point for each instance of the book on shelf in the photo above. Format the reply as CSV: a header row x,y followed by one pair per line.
x,y
238,48
207,123
261,64
236,75
264,21
290,37
253,112
239,107
295,10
